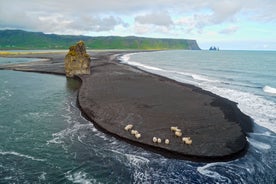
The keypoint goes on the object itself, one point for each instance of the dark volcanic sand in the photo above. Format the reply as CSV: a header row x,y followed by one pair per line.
x,y
115,95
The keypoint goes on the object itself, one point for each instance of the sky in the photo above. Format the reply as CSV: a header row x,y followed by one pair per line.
x,y
228,24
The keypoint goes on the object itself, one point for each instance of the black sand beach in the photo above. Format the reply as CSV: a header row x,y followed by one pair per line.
x,y
115,95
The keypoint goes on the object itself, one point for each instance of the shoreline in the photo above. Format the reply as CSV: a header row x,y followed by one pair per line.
x,y
121,105
246,127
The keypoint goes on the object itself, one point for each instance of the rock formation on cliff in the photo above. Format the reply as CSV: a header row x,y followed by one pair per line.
x,y
77,61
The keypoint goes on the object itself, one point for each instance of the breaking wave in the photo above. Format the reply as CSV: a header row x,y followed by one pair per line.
x,y
269,90
259,145
261,110
202,78
125,59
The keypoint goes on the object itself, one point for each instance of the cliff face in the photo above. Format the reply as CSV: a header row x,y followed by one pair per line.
x,y
192,45
18,39
77,61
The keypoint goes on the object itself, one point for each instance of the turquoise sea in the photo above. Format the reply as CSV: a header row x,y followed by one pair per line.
x,y
45,139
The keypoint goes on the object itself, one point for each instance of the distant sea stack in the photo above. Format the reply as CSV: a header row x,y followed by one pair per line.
x,y
77,61
214,48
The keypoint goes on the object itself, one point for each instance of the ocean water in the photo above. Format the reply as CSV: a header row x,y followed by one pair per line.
x,y
45,139
4,60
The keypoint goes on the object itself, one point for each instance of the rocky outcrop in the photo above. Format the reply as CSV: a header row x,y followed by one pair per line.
x,y
77,61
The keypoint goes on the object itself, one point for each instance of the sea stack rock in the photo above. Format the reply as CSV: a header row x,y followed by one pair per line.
x,y
77,61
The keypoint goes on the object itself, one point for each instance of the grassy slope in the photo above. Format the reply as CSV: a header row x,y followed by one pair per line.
x,y
17,39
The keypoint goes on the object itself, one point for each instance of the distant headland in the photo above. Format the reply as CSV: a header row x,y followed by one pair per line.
x,y
23,40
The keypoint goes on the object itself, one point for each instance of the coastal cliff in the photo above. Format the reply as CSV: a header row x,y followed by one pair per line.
x,y
18,39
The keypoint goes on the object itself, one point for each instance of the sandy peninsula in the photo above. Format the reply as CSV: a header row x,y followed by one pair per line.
x,y
115,95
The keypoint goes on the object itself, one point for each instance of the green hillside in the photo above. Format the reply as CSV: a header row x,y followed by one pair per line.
x,y
18,39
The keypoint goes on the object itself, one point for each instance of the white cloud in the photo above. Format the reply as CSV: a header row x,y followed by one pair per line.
x,y
225,10
229,30
156,18
161,18
141,29
107,14
96,24
151,30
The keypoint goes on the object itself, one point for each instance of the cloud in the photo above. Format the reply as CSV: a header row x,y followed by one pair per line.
x,y
229,30
56,17
151,30
157,18
215,13
96,24
224,10
143,16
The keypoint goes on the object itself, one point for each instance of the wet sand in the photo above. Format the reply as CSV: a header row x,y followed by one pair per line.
x,y
115,95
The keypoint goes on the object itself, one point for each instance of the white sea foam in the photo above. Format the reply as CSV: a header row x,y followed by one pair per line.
x,y
42,176
38,115
202,78
269,90
267,133
73,104
136,163
55,140
142,176
74,129
261,110
259,145
188,75
8,178
71,133
182,80
206,171
21,155
144,66
8,93
125,59
102,136
80,138
79,177
82,117
137,160
5,94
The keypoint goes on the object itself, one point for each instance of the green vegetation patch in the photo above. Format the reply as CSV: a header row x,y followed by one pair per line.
x,y
18,39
